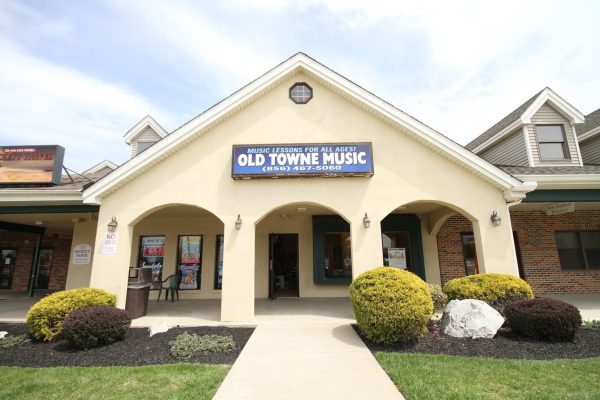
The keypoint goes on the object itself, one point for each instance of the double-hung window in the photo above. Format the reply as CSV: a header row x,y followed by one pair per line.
x,y
551,142
578,250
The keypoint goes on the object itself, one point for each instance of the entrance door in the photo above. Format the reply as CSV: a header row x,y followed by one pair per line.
x,y
283,265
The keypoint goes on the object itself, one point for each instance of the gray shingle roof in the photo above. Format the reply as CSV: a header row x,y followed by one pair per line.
x,y
592,121
566,170
503,123
78,183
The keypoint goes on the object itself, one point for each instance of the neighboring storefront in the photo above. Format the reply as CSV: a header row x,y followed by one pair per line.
x,y
299,182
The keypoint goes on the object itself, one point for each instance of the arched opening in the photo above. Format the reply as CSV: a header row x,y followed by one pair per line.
x,y
181,241
302,250
426,238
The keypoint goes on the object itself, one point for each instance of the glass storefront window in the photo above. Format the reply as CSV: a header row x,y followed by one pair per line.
x,y
337,255
397,250
470,254
189,261
219,263
152,254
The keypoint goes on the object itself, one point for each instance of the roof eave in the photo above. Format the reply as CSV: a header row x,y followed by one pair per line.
x,y
163,148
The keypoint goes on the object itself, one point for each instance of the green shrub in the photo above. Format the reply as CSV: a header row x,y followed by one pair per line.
x,y
186,345
11,341
593,324
391,305
45,318
440,299
495,289
93,326
545,319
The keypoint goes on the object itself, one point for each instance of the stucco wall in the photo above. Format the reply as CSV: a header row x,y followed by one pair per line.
x,y
200,174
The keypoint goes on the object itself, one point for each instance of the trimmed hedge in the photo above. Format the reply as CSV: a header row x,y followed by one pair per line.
x,y
391,305
93,326
545,319
495,289
45,318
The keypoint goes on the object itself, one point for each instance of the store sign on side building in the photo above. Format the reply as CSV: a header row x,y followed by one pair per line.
x,y
296,160
560,208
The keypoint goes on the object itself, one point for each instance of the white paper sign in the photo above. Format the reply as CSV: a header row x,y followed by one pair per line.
x,y
560,208
82,254
110,243
397,257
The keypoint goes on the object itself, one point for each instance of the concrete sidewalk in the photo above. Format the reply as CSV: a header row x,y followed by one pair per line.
x,y
319,359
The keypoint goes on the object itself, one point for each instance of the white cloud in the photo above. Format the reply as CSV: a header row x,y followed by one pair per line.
x,y
43,103
483,59
230,58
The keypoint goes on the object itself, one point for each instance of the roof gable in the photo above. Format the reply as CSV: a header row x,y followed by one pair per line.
x,y
522,115
146,122
101,165
300,62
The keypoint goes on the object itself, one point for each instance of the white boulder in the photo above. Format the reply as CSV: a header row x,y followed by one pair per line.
x,y
2,334
470,318
161,327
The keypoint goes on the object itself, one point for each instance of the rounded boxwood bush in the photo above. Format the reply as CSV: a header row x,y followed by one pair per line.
x,y
495,289
45,318
93,326
545,319
391,305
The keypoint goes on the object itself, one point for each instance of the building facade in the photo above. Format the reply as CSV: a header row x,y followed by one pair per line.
x,y
302,180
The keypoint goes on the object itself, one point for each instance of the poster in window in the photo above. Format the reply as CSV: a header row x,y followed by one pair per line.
x,y
219,264
189,261
152,254
397,257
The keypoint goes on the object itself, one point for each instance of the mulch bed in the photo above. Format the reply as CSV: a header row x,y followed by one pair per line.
x,y
138,348
504,345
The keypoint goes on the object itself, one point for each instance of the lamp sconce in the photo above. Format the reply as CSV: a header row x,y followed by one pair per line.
x,y
112,225
238,223
496,220
366,221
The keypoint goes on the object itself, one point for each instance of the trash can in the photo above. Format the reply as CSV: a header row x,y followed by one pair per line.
x,y
138,291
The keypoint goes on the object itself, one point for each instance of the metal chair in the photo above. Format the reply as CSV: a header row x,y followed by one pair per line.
x,y
173,287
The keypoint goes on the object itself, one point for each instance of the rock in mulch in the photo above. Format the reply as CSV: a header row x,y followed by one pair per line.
x,y
136,349
471,319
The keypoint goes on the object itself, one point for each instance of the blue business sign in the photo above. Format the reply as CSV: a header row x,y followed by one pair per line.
x,y
314,159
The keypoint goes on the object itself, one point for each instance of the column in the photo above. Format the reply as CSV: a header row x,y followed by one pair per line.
x,y
237,294
366,244
110,271
495,245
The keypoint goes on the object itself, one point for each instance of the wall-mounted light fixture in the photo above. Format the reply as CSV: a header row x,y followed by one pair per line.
x,y
366,221
496,220
112,225
238,223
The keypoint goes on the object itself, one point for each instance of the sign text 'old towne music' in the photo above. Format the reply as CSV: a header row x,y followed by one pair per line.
x,y
297,160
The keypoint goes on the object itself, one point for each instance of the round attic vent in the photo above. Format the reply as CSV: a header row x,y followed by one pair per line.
x,y
301,93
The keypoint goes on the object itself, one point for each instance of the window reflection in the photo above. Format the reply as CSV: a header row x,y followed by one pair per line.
x,y
338,257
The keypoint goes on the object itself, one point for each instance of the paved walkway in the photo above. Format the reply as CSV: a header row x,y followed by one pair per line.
x,y
310,360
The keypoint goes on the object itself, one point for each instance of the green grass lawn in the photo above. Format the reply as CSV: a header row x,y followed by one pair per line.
x,y
421,376
176,381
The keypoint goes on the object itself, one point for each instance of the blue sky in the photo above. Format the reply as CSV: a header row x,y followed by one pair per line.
x,y
81,73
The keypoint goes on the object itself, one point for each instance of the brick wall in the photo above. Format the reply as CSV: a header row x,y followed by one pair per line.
x,y
25,245
535,232
450,253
